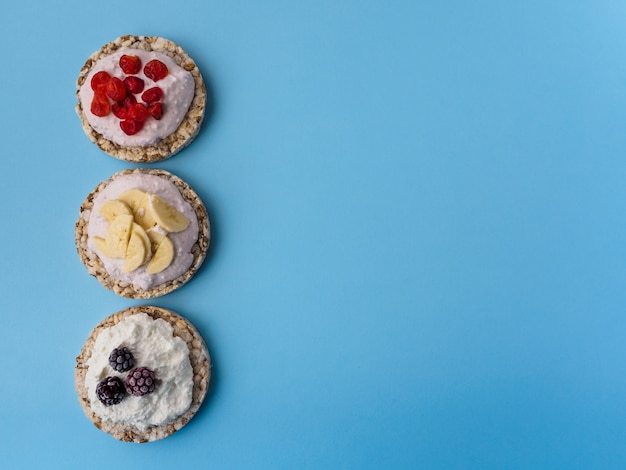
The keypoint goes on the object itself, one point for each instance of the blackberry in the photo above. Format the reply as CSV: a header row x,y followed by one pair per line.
x,y
121,359
140,381
111,391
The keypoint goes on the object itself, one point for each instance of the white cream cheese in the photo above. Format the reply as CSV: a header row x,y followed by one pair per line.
x,y
178,88
183,241
154,346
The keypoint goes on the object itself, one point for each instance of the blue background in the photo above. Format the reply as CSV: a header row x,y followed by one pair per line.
x,y
418,211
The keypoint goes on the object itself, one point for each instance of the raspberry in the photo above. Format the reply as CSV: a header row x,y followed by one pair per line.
x,y
119,110
115,89
156,110
111,391
128,101
138,112
140,381
130,126
155,70
134,84
99,80
152,94
130,64
121,359
100,105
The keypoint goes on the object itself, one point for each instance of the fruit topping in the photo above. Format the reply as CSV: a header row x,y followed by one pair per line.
x,y
140,381
111,209
166,216
163,256
100,105
119,95
130,64
99,80
137,250
138,112
130,126
110,391
156,110
152,94
115,89
121,359
134,84
155,70
137,233
119,110
118,234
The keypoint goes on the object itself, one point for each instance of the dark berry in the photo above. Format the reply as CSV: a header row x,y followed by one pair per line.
x,y
111,391
121,359
140,381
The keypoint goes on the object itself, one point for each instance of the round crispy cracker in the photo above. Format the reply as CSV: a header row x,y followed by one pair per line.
x,y
200,363
95,266
189,127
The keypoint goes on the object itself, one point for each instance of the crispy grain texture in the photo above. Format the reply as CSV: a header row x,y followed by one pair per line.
x,y
188,129
96,268
200,363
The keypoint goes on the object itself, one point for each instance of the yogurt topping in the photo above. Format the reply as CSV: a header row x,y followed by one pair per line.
x,y
154,346
178,88
183,241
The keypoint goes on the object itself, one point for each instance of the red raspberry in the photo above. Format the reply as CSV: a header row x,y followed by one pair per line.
x,y
119,110
128,101
134,84
155,70
131,127
130,64
100,104
99,80
115,89
156,110
138,112
152,94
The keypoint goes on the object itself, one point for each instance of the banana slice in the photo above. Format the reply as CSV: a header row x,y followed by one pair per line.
x,y
155,238
138,202
138,229
135,252
166,216
118,235
132,198
111,209
101,246
162,257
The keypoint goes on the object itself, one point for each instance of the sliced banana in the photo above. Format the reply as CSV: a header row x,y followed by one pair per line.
x,y
162,257
166,216
135,252
111,209
138,202
132,198
118,235
155,238
101,246
139,224
145,239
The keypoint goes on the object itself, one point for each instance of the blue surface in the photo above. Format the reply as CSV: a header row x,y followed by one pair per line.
x,y
419,223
